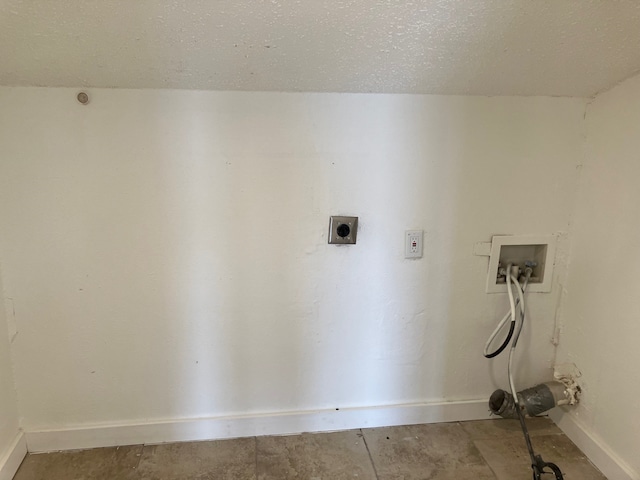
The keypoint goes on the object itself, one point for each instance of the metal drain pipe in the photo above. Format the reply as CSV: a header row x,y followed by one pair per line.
x,y
533,401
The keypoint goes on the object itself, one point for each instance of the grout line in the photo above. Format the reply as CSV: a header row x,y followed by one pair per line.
x,y
472,441
140,457
256,456
484,460
375,472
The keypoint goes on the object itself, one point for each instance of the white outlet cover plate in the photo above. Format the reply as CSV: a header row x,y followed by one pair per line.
x,y
496,244
409,237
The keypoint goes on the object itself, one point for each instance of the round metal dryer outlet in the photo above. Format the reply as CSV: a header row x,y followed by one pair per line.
x,y
343,230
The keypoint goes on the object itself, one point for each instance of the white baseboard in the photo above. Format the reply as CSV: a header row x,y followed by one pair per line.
x,y
250,425
11,459
612,466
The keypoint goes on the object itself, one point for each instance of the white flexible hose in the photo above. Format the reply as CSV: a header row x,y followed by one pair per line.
x,y
516,335
510,315
537,463
511,301
493,336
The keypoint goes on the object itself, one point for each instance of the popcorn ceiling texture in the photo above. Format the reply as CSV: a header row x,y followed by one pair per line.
x,y
469,47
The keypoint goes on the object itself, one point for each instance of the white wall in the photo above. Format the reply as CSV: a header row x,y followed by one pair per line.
x,y
166,250
9,418
601,313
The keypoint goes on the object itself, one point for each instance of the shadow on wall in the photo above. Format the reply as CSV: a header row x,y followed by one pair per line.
x,y
232,298
168,255
273,318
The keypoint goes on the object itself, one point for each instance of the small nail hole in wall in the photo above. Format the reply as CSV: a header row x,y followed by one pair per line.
x,y
83,98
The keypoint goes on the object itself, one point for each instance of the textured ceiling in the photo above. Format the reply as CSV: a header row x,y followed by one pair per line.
x,y
479,47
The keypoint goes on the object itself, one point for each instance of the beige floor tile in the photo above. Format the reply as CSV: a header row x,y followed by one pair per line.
x,y
320,456
480,450
499,427
509,458
217,460
94,464
416,452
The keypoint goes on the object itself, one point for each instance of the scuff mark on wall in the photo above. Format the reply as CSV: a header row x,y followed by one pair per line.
x,y
10,310
568,374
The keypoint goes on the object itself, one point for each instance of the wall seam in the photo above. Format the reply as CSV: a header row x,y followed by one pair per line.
x,y
12,362
563,281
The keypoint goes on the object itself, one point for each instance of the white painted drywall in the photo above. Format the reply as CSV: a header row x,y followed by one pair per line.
x,y
601,314
9,419
167,256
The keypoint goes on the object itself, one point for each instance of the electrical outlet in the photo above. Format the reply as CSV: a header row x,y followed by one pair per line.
x,y
413,244
343,230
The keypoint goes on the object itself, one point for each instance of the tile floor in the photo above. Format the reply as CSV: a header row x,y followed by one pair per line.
x,y
488,449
